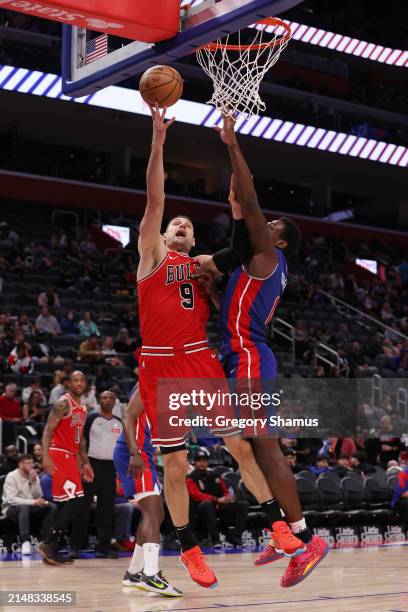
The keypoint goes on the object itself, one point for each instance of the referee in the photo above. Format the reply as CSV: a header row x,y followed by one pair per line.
x,y
101,432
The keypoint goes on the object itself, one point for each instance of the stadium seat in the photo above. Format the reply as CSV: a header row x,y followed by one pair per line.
x,y
308,475
308,494
355,494
330,493
377,493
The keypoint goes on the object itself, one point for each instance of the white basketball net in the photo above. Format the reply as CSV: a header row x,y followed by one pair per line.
x,y
237,73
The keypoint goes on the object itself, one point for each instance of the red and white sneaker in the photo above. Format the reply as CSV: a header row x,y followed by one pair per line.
x,y
268,555
301,566
284,541
196,565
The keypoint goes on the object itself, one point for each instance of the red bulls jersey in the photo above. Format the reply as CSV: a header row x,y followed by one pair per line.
x,y
173,307
68,432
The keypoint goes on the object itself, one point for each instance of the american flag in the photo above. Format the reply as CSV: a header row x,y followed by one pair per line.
x,y
96,48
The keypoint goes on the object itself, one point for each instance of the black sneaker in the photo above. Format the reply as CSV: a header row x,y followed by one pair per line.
x,y
158,584
51,556
131,580
106,554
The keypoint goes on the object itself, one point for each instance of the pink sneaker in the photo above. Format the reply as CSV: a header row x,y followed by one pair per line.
x,y
268,555
301,566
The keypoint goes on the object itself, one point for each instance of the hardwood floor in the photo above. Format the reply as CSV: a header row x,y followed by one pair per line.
x,y
351,580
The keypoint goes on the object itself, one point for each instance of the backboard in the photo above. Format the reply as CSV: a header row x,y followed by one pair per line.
x,y
200,21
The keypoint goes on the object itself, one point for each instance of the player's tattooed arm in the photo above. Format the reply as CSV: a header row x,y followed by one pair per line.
x,y
58,412
87,471
245,191
151,245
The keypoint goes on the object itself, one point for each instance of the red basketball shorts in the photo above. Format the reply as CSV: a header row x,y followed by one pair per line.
x,y
181,368
66,479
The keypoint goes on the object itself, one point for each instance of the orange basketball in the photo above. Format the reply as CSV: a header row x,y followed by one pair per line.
x,y
162,85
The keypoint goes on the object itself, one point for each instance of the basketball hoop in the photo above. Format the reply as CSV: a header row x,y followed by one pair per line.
x,y
237,70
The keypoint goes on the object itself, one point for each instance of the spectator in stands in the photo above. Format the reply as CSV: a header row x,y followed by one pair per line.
x,y
386,313
400,497
128,318
87,327
46,323
90,351
390,445
8,238
88,247
357,359
359,463
103,379
211,494
32,409
68,324
321,466
10,413
68,279
10,462
38,458
123,343
343,466
110,354
49,298
307,450
34,386
23,499
89,399
26,326
20,360
61,386
89,277
290,456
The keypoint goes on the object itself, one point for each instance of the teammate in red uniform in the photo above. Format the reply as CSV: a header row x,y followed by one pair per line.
x,y
63,444
249,303
173,311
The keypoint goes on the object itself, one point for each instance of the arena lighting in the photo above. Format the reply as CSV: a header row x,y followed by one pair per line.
x,y
368,264
118,232
47,85
340,215
339,42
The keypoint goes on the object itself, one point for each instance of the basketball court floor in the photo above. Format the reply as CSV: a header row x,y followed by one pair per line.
x,y
373,579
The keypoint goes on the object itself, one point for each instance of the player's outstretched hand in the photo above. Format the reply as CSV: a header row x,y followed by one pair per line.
x,y
136,466
206,264
160,127
227,132
88,473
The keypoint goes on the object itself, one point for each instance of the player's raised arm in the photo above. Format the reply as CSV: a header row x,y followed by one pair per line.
x,y
254,218
57,413
151,245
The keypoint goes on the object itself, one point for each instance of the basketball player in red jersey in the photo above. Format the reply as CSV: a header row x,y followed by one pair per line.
x,y
173,311
63,444
250,300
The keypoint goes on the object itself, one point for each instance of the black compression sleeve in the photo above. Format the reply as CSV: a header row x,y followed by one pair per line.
x,y
238,252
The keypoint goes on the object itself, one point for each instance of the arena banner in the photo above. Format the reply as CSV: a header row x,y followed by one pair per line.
x,y
293,407
355,536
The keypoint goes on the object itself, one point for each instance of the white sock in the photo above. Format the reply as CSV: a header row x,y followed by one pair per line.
x,y
151,558
136,564
298,526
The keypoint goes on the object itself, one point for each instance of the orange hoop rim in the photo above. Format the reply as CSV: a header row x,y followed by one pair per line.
x,y
268,21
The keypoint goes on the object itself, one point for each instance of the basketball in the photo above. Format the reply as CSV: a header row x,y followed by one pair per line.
x,y
162,85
